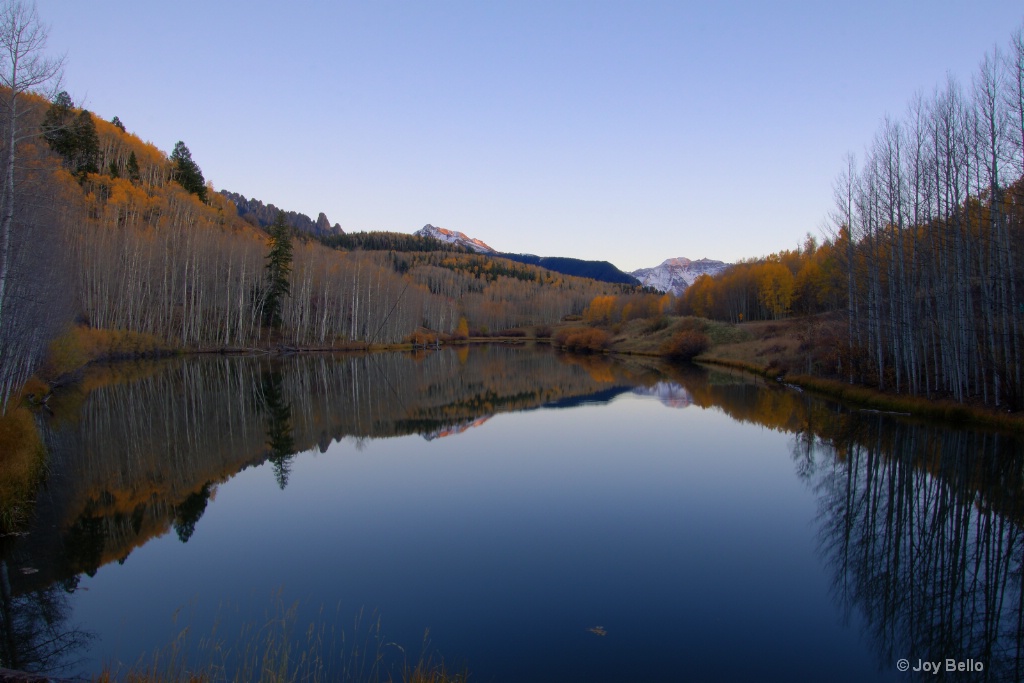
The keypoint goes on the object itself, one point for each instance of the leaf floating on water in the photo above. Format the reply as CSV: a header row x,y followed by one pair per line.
x,y
598,630
29,570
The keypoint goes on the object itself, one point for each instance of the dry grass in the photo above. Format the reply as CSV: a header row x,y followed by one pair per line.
x,y
22,467
796,345
276,650
82,345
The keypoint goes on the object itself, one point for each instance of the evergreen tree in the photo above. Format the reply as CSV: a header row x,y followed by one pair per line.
x,y
72,137
86,153
279,267
132,168
187,172
57,129
117,123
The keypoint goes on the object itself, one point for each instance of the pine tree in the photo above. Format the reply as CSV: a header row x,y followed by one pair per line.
x,y
57,129
132,168
187,172
279,267
85,158
117,123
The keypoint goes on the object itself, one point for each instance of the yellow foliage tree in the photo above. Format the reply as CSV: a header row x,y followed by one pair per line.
x,y
462,331
775,288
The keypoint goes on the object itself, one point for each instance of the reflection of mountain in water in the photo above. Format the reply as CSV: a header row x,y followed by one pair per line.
x,y
669,393
597,398
456,429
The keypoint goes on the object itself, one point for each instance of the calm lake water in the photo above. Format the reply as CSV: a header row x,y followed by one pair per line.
x,y
539,517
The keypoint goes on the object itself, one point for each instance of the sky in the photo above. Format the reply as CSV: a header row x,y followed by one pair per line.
x,y
630,132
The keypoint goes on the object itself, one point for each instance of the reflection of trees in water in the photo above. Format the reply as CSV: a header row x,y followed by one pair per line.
x,y
279,426
921,528
920,525
188,513
150,442
34,630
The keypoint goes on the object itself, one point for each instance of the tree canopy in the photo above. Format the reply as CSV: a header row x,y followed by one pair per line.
x,y
187,172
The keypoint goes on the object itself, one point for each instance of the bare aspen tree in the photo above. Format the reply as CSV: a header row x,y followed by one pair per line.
x,y
24,66
25,324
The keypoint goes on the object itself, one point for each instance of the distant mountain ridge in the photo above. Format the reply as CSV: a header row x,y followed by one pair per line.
x,y
454,237
676,274
595,270
264,215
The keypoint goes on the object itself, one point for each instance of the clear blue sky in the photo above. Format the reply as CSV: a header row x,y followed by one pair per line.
x,y
625,131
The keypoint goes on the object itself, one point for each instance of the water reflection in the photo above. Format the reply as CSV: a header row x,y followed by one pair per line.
x,y
921,529
150,443
919,526
36,629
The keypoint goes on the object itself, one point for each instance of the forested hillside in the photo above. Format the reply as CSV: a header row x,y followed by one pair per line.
x,y
145,246
598,270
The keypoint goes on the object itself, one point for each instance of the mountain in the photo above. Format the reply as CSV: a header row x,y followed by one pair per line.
x,y
595,270
264,215
453,237
676,274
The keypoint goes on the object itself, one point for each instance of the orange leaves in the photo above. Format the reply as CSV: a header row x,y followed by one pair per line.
x,y
600,309
775,288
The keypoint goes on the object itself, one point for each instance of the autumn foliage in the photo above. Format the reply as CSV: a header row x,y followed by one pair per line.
x,y
685,344
803,281
584,339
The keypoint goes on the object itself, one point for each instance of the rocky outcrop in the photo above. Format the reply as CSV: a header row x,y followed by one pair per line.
x,y
264,215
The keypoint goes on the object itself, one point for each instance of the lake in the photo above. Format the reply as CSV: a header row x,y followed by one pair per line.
x,y
514,512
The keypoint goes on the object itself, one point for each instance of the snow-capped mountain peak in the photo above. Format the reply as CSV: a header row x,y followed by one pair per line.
x,y
676,274
454,237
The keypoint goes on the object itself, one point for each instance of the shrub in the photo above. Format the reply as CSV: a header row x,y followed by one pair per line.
x,y
582,338
656,325
422,338
22,467
542,331
694,324
562,334
684,345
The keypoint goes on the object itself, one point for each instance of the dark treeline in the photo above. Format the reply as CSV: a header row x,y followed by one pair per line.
x,y
390,241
